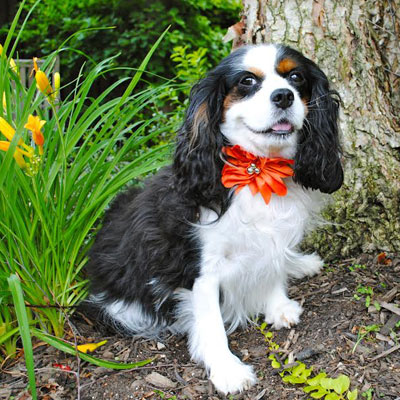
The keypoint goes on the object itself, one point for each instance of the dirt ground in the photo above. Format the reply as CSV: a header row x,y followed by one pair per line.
x,y
331,324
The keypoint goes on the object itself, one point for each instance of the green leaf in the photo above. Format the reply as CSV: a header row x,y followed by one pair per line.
x,y
308,389
18,299
275,364
317,379
377,306
293,379
298,370
332,396
352,395
319,394
341,384
263,326
327,383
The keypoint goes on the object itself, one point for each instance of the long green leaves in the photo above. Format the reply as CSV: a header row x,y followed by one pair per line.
x,y
50,208
18,298
70,349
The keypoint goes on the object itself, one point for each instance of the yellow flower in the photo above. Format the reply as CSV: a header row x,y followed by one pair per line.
x,y
89,347
8,131
42,82
4,101
4,146
35,124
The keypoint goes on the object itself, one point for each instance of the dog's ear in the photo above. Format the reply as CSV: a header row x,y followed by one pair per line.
x,y
197,164
317,161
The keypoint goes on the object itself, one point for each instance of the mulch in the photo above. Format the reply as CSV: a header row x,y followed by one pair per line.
x,y
328,338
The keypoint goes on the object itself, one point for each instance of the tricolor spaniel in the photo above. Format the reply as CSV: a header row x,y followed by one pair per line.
x,y
211,240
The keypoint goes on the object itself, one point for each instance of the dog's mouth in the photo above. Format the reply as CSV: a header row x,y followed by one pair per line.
x,y
282,128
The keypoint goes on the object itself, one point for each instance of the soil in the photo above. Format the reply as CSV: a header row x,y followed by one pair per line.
x,y
325,339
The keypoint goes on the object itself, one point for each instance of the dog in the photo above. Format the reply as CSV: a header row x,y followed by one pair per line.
x,y
211,240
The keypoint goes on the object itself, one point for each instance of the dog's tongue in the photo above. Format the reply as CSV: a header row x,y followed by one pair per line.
x,y
282,126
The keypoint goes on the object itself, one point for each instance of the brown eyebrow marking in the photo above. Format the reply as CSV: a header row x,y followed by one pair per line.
x,y
257,72
286,65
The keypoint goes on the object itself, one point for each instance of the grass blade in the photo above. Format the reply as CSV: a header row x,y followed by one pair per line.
x,y
18,298
68,348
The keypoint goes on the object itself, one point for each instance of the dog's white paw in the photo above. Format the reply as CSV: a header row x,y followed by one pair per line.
x,y
284,315
231,376
312,264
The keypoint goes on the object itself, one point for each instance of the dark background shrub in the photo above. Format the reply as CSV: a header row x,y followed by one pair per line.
x,y
136,26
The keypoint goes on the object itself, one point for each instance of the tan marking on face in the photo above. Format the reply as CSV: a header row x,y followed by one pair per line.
x,y
305,101
231,98
257,72
286,65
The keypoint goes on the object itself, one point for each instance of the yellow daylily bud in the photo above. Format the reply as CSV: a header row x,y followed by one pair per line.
x,y
57,81
4,146
35,66
56,84
13,66
4,101
89,347
43,83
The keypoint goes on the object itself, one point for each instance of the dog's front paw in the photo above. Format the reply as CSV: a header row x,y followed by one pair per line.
x,y
312,264
284,315
231,376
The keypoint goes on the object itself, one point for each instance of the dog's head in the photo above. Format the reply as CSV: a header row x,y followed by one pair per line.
x,y
270,100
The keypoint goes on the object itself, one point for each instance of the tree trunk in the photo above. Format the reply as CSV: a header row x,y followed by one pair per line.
x,y
356,43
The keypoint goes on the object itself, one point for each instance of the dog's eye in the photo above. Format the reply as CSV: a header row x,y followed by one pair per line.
x,y
296,77
248,80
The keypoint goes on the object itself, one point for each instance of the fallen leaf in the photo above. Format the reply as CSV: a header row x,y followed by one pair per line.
x,y
383,259
89,347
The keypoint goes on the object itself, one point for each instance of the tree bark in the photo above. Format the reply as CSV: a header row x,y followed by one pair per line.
x,y
356,43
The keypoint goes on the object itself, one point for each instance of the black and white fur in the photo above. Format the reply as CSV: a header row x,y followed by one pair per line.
x,y
187,255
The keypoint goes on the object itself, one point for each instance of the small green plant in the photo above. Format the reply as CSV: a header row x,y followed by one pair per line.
x,y
368,292
164,395
319,386
357,266
368,394
365,331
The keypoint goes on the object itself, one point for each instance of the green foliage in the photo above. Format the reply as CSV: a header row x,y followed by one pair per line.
x,y
26,332
319,386
134,26
69,348
364,332
368,292
357,266
164,395
51,200
368,394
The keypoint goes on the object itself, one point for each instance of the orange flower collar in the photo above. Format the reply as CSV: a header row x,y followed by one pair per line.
x,y
261,174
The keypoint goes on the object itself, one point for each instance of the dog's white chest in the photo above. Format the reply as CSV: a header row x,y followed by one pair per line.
x,y
252,234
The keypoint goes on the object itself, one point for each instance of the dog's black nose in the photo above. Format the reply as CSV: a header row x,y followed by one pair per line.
x,y
282,98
